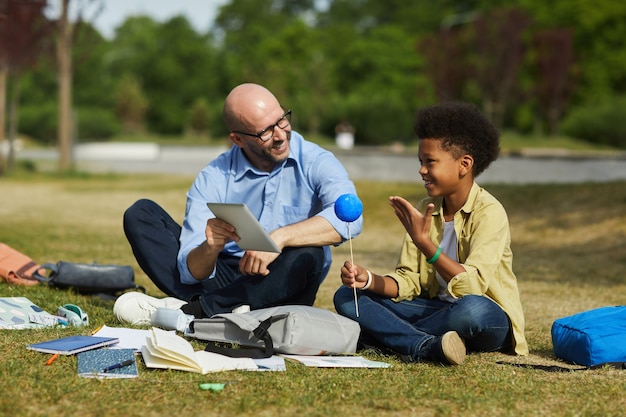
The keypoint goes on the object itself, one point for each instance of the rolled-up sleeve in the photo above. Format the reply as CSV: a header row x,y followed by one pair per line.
x,y
332,181
204,189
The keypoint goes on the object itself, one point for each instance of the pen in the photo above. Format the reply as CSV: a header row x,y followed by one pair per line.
x,y
97,330
118,365
52,359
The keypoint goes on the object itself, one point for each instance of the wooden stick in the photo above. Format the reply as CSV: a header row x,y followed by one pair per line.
x,y
356,300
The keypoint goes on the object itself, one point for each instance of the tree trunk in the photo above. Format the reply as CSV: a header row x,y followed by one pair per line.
x,y
64,51
3,94
13,121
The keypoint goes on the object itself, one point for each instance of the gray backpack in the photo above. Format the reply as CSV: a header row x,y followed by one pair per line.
x,y
292,329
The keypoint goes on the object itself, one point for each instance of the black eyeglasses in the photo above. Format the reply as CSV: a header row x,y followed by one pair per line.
x,y
268,133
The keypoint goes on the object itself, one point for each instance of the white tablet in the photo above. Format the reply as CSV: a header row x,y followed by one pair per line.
x,y
251,234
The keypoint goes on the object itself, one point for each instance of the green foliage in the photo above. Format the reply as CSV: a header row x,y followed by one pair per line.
x,y
601,123
599,29
93,86
130,104
339,58
96,123
376,85
92,123
40,122
173,63
380,119
199,120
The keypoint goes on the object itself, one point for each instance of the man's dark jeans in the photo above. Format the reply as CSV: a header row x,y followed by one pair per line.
x,y
294,277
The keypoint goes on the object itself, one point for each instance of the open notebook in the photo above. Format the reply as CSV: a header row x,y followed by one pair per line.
x,y
165,349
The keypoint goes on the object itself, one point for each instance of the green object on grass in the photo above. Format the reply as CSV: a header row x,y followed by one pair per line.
x,y
211,386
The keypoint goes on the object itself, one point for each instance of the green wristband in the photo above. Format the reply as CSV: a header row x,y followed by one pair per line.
x,y
435,256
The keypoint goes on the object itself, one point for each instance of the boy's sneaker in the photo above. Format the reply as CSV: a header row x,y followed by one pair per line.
x,y
136,308
449,349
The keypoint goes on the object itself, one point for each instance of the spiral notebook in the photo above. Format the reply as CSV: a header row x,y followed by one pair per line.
x,y
73,344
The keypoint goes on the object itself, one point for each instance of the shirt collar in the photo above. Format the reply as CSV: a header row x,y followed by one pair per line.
x,y
467,207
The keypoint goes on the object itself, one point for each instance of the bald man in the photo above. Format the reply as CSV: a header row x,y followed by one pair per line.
x,y
288,183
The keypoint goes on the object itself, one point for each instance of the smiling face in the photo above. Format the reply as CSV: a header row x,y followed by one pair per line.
x,y
446,173
250,109
265,155
438,168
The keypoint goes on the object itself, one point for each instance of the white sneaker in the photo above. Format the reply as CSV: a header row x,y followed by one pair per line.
x,y
136,308
242,309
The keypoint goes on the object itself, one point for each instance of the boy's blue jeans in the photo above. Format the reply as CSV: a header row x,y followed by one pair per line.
x,y
407,327
294,278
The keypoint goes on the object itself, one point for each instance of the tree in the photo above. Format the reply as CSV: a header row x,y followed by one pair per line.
x,y
274,43
446,61
23,32
598,33
498,56
378,81
199,121
174,64
372,61
130,104
554,86
65,41
64,58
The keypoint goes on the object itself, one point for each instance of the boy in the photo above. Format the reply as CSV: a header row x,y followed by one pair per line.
x,y
453,288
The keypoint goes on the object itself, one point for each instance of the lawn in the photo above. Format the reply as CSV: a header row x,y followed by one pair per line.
x,y
568,243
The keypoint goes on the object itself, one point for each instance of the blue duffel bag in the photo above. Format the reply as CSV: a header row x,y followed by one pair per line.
x,y
591,338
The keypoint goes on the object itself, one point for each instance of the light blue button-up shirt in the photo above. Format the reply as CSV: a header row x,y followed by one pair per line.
x,y
306,184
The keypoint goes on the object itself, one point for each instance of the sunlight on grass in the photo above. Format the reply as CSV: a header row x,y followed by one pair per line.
x,y
568,243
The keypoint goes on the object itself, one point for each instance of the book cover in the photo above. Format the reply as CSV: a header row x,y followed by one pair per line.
x,y
72,344
107,363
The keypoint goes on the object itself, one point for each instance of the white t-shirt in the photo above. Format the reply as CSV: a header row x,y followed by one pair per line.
x,y
448,246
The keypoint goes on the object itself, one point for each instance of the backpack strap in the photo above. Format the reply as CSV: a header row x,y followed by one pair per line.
x,y
43,278
261,332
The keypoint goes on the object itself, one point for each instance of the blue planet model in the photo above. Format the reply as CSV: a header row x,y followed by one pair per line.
x,y
348,207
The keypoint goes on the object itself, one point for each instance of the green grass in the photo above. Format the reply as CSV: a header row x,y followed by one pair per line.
x,y
568,242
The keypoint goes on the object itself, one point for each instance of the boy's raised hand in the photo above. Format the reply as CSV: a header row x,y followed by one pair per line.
x,y
415,223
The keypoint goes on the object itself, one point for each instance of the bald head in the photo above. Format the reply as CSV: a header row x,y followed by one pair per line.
x,y
247,105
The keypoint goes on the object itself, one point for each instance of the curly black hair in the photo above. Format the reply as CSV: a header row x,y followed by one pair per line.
x,y
462,129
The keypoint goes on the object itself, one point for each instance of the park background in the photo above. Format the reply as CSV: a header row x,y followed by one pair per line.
x,y
537,69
